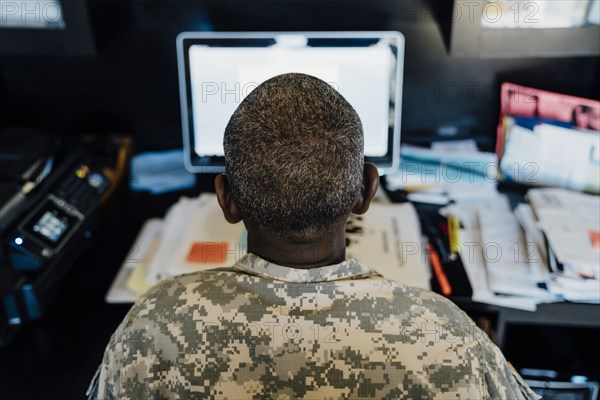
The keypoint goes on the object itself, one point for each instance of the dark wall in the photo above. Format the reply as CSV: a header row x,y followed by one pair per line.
x,y
131,85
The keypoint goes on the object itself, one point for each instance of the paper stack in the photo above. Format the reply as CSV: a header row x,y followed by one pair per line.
x,y
388,239
447,171
544,251
497,259
551,155
193,236
570,222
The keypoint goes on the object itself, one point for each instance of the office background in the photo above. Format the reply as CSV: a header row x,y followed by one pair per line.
x,y
129,85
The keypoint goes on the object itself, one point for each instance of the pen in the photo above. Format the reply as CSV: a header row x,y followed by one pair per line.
x,y
436,238
453,234
436,265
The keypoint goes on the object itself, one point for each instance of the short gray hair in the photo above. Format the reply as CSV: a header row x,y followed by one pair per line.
x,y
294,156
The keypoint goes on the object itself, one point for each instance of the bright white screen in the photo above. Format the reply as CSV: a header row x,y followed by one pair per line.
x,y
222,77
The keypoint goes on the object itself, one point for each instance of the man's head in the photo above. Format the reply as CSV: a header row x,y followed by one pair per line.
x,y
294,157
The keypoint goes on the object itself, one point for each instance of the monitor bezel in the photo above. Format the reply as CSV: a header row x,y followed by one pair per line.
x,y
216,164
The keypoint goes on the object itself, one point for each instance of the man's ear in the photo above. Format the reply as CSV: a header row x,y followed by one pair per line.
x,y
368,188
231,212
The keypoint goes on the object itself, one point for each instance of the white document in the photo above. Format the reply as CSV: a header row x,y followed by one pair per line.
x,y
468,145
388,239
206,228
175,223
511,263
522,158
576,290
163,247
571,222
570,158
533,236
571,242
552,155
472,255
140,255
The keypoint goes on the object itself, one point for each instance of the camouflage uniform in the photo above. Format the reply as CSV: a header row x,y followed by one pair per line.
x,y
259,330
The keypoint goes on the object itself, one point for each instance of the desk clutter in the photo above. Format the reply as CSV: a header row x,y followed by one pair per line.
x,y
195,236
546,250
448,171
159,172
543,139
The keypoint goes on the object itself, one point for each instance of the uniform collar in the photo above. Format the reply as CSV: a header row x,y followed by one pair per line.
x,y
349,269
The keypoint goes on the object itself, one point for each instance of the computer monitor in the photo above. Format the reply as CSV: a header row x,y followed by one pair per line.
x,y
217,71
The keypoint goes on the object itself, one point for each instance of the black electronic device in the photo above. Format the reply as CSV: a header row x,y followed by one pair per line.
x,y
49,202
27,170
61,214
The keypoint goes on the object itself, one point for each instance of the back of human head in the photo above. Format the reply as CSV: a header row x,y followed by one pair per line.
x,y
294,156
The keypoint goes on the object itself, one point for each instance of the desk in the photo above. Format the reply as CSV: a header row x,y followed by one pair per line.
x,y
518,332
554,314
55,358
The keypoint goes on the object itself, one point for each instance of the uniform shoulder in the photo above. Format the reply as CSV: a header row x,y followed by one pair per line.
x,y
175,284
431,303
176,292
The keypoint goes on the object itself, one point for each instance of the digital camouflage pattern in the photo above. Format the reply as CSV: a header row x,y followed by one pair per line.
x,y
259,330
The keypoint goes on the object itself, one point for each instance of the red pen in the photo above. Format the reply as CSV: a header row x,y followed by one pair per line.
x,y
436,265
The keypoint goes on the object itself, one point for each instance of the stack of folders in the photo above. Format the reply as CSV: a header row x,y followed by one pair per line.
x,y
549,139
545,153
195,236
547,250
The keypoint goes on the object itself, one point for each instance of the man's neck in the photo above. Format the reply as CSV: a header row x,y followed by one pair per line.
x,y
327,250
